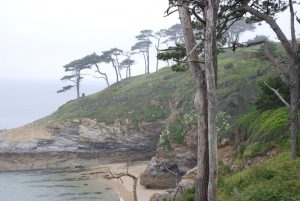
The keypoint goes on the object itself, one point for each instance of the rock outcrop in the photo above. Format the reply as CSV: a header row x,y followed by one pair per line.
x,y
71,143
178,160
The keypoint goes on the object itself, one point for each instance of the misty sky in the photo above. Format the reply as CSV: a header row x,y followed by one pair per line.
x,y
37,37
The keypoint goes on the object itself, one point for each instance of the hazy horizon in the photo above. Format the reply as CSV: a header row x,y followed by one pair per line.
x,y
24,101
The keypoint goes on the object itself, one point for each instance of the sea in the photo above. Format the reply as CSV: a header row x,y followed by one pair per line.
x,y
22,102
54,185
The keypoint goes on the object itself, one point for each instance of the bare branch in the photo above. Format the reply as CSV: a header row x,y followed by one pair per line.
x,y
127,174
194,48
170,13
278,94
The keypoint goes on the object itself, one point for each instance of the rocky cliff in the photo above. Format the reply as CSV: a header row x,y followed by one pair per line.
x,y
77,142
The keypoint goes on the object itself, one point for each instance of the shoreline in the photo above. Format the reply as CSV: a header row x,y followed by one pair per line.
x,y
124,187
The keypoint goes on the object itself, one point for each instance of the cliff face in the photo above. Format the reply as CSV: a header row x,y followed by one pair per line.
x,y
74,143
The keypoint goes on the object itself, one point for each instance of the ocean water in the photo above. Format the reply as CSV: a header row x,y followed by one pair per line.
x,y
53,186
24,101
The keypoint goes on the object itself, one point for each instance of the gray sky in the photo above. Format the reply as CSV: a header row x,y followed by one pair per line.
x,y
37,37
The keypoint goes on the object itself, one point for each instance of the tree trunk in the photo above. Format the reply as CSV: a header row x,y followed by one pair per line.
x,y
135,180
103,74
294,107
200,103
116,71
294,88
293,33
78,85
210,74
145,61
148,61
157,47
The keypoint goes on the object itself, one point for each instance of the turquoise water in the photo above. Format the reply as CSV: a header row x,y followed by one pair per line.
x,y
53,186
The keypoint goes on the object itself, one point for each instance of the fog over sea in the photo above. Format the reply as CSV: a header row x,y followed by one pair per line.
x,y
24,101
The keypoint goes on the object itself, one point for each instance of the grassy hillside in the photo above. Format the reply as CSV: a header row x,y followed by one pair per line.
x,y
277,179
168,95
148,97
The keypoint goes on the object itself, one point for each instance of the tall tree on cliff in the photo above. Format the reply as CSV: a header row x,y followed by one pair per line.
x,y
265,11
127,63
112,56
174,34
95,60
74,69
143,46
158,35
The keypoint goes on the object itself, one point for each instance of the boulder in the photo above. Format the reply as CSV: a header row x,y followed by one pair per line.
x,y
157,177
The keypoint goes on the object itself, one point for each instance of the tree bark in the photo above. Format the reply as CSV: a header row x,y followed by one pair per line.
x,y
78,85
148,61
293,32
116,71
200,103
210,74
103,74
145,61
294,88
135,180
157,47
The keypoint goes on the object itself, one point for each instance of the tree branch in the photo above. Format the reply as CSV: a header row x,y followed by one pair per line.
x,y
272,23
278,95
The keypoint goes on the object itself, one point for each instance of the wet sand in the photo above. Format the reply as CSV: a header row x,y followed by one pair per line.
x,y
124,186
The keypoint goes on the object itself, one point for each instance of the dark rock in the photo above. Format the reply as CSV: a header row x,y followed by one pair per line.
x,y
157,177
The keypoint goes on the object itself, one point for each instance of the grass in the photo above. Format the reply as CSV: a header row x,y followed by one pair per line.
x,y
156,96
276,179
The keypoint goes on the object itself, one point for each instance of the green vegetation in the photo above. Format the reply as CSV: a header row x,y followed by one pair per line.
x,y
168,96
259,131
277,179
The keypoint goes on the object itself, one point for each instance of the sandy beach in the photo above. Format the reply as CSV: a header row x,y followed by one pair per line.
x,y
124,186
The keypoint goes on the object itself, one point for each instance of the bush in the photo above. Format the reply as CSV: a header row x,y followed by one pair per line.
x,y
188,195
229,65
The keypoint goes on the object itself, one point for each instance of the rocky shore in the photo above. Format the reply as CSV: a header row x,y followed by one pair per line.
x,y
75,143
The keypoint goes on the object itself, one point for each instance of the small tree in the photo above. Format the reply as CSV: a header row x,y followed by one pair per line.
x,y
234,33
158,35
177,54
94,60
126,64
75,69
174,34
143,46
111,56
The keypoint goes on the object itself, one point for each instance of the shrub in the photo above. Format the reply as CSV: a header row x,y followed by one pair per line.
x,y
229,65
